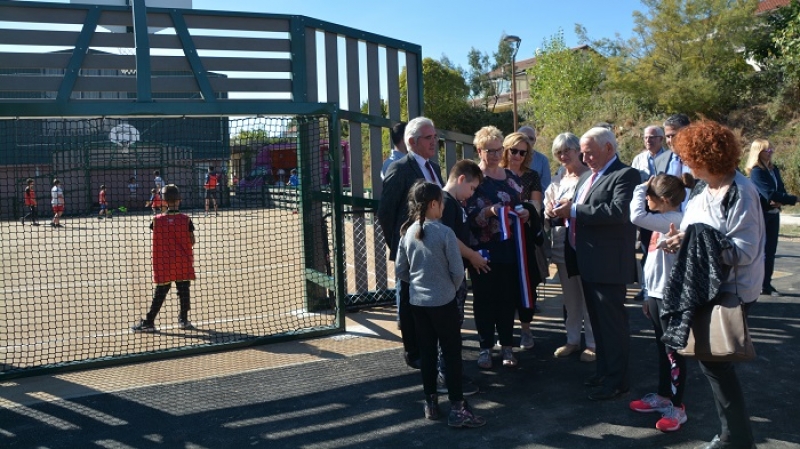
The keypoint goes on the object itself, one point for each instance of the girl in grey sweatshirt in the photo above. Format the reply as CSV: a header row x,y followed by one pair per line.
x,y
429,259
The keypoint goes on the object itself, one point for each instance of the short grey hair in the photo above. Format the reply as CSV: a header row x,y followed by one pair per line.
x,y
527,130
655,127
601,136
413,128
566,141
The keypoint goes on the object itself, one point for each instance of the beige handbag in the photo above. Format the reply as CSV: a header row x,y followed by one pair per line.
x,y
719,332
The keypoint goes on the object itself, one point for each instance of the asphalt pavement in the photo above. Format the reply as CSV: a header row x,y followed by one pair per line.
x,y
356,392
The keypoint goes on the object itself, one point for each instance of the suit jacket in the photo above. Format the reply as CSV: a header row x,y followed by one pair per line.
x,y
393,208
770,189
605,239
662,162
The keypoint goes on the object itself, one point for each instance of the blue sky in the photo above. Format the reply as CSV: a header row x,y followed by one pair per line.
x,y
452,27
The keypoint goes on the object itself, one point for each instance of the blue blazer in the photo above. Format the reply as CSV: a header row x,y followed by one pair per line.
x,y
770,189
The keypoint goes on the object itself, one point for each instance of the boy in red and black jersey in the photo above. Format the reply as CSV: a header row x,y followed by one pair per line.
x,y
173,260
30,203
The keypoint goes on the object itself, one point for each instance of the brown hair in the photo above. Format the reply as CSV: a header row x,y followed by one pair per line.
x,y
171,193
468,168
708,145
669,188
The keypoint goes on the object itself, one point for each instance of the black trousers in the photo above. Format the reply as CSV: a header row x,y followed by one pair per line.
x,y
606,306
665,380
32,212
729,400
439,327
772,227
495,298
407,328
160,294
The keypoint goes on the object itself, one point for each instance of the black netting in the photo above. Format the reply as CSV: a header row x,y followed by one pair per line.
x,y
262,256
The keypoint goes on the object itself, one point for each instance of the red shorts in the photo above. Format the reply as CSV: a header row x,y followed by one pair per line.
x,y
58,209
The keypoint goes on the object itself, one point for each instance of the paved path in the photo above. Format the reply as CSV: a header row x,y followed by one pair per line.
x,y
353,391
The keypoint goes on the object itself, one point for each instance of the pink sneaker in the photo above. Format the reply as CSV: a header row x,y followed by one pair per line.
x,y
672,419
651,403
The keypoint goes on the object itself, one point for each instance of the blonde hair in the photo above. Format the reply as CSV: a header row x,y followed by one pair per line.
x,y
486,134
753,159
510,142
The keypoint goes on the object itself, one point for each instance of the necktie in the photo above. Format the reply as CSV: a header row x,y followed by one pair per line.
x,y
675,166
572,221
434,179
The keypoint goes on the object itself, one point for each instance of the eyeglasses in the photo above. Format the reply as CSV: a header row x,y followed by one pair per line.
x,y
494,152
563,152
516,152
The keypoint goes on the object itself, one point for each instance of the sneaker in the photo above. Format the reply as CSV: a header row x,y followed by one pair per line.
x,y
526,341
588,355
508,357
672,419
461,415
566,350
144,326
485,359
468,387
35,224
185,324
99,218
431,408
651,403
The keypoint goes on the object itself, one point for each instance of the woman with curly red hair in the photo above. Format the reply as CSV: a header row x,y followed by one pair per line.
x,y
725,206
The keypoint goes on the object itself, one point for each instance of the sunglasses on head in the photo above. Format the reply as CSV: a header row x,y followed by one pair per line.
x,y
518,152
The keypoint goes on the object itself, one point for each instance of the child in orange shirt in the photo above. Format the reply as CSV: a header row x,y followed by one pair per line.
x,y
103,204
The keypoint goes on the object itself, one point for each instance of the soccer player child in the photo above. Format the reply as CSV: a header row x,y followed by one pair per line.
x,y
30,203
173,260
103,204
57,202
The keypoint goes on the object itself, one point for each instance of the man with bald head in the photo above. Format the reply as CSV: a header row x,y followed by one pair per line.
x,y
600,248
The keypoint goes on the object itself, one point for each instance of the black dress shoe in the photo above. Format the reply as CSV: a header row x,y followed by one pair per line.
x,y
606,395
716,443
593,381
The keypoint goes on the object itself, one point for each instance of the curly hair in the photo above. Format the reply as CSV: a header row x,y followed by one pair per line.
x,y
510,142
708,145
486,134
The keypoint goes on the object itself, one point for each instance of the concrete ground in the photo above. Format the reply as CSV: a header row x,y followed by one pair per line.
x,y
354,391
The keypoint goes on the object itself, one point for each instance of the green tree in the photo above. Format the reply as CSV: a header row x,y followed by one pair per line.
x,y
445,93
686,56
786,39
563,85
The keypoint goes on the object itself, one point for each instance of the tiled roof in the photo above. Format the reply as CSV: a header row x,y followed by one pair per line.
x,y
769,5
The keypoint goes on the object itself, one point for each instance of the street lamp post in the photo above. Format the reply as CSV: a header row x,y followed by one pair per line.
x,y
515,41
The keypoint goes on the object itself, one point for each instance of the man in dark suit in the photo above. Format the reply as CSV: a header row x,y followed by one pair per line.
x,y
422,142
600,248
